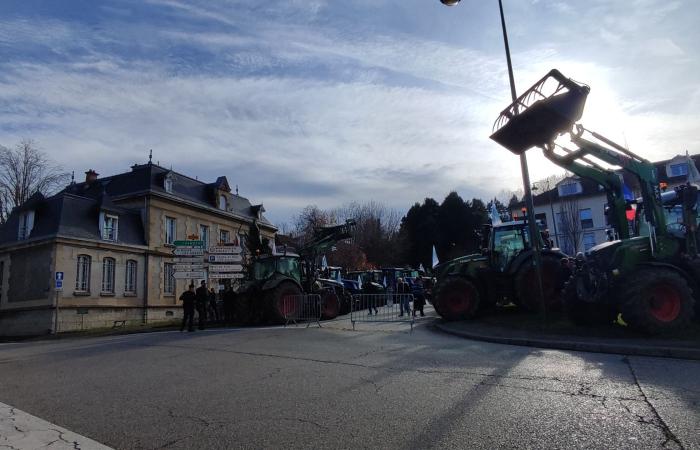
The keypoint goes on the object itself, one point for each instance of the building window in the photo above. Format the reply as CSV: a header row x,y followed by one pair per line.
x,y
569,189
541,218
130,282
222,202
110,225
678,170
586,218
224,236
169,278
588,241
204,234
170,230
168,184
26,223
82,274
108,275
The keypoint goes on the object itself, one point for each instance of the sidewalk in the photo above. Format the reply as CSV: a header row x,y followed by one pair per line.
x,y
579,339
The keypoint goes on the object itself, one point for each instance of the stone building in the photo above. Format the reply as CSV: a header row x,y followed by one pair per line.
x,y
113,240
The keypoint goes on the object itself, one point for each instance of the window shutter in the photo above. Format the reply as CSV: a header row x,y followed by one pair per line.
x,y
116,229
30,222
102,225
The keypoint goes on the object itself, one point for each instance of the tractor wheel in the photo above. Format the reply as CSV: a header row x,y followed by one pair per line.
x,y
553,278
456,298
330,305
657,301
279,309
582,312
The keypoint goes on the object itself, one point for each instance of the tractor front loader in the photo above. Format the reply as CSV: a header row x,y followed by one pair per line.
x,y
652,277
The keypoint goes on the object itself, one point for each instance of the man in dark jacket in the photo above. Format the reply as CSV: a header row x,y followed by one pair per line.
x,y
202,299
188,299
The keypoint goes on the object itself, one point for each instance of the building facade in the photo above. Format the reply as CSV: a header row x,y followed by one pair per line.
x,y
113,240
574,210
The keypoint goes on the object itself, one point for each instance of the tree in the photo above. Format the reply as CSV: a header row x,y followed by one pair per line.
x,y
569,225
24,171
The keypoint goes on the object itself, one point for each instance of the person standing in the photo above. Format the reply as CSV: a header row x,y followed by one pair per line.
x,y
404,298
202,299
419,299
229,305
212,304
188,299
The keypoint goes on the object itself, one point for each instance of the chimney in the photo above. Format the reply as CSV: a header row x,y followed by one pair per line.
x,y
90,176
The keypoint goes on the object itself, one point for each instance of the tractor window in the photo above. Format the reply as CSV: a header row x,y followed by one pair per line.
x,y
507,243
289,267
263,268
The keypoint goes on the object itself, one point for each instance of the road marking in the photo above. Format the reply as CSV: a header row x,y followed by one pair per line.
x,y
20,430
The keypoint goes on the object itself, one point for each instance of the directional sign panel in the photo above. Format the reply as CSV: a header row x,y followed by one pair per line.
x,y
225,258
188,267
187,275
226,249
189,251
189,260
228,275
189,243
225,267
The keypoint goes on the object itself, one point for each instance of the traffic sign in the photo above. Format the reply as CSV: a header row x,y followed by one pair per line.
x,y
226,249
59,281
189,251
225,268
189,260
187,275
188,267
192,243
225,258
228,275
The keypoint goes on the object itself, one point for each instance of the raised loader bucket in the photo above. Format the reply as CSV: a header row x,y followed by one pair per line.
x,y
549,108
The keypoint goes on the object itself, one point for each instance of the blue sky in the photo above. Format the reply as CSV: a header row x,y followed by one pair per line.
x,y
327,101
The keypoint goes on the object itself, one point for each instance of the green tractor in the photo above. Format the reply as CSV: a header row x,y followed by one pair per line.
x,y
502,273
651,273
272,278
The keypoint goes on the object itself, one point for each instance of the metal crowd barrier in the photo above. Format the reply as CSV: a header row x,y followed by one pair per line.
x,y
302,308
388,307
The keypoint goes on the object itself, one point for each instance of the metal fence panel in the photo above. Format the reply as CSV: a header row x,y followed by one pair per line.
x,y
302,308
387,307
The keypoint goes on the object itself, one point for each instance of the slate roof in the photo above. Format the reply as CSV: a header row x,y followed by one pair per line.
x,y
74,212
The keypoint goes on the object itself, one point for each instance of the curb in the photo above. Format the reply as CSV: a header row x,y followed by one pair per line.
x,y
581,346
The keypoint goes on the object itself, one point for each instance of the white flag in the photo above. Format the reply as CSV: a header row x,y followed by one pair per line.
x,y
384,281
273,247
494,214
436,261
359,282
420,268
324,263
339,276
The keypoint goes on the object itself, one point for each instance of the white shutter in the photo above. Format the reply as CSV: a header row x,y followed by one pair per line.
x,y
30,222
102,225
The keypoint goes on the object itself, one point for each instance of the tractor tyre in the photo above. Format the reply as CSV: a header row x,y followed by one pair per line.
x,y
330,305
553,279
279,304
456,298
657,301
581,312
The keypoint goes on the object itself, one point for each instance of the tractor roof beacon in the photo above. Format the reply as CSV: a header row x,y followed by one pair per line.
x,y
650,277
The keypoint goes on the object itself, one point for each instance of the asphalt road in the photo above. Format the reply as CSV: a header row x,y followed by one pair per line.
x,y
335,388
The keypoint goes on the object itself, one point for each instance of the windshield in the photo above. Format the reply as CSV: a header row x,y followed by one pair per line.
x,y
263,268
508,242
290,267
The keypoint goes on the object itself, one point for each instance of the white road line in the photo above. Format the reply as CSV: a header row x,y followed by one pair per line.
x,y
20,430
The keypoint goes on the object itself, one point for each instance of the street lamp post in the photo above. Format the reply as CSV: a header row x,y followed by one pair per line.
x,y
523,164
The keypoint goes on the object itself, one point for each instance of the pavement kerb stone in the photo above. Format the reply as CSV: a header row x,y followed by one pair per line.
x,y
579,345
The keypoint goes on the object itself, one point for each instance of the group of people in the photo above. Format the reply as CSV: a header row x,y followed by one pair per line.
x,y
403,291
203,300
